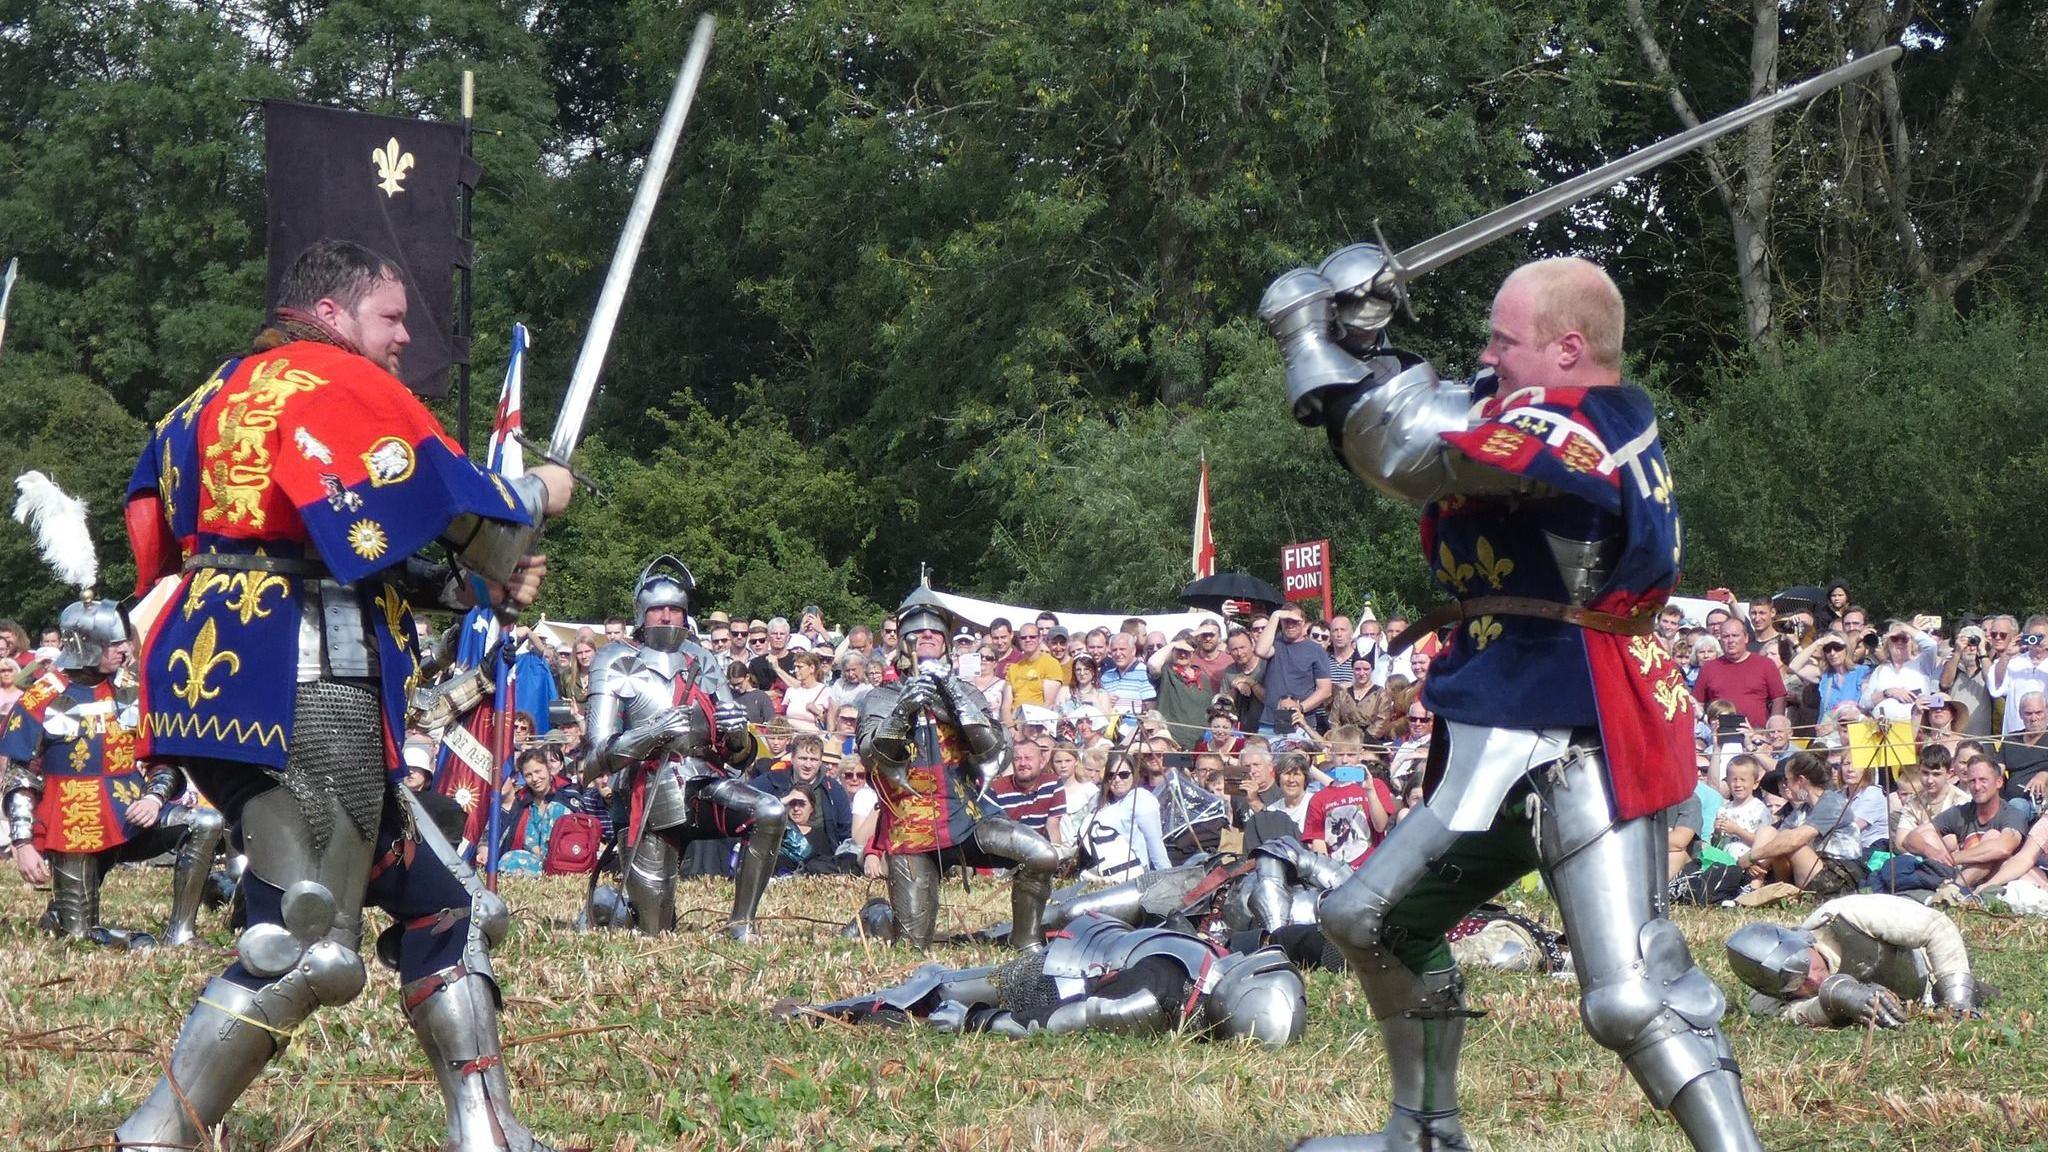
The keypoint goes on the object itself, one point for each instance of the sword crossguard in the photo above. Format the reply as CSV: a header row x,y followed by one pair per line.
x,y
519,437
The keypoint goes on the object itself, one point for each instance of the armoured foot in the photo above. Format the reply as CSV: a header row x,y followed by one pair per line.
x,y
743,932
1405,1132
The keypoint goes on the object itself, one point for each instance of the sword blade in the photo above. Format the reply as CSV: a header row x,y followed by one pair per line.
x,y
1440,250
590,359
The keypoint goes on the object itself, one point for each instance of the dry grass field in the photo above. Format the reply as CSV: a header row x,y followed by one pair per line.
x,y
624,1043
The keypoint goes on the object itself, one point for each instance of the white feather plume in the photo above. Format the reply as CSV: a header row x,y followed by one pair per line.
x,y
58,520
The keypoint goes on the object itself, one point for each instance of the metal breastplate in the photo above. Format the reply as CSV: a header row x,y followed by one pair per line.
x,y
1584,565
334,633
1095,946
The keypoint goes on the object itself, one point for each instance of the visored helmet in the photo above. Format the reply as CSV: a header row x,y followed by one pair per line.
x,y
665,583
1259,997
1771,958
89,628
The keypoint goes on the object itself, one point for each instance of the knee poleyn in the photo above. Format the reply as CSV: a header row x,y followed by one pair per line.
x,y
1354,918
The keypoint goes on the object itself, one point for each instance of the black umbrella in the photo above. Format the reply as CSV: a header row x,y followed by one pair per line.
x,y
1211,591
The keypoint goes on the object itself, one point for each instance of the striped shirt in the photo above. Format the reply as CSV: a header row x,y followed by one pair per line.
x,y
1030,804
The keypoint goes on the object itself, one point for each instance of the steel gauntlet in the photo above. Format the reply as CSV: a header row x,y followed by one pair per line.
x,y
493,548
1847,1000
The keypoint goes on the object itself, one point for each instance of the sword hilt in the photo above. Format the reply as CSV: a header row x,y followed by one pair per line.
x,y
519,437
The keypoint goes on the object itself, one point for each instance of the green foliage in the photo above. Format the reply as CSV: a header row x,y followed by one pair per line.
x,y
756,515
71,430
1904,464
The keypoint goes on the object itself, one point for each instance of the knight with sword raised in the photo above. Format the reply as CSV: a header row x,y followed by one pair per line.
x,y
277,513
1548,518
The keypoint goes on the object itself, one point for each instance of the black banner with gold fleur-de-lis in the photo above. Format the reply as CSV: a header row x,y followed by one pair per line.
x,y
386,182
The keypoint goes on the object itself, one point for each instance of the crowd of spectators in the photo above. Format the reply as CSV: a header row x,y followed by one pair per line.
x,y
1833,753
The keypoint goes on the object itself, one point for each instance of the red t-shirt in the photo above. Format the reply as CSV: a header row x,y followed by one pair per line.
x,y
1750,686
1339,816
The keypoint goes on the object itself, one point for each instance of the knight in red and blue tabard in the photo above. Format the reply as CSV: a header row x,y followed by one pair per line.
x,y
275,517
1549,520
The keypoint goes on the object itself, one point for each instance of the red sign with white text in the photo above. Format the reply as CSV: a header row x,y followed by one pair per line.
x,y
1305,572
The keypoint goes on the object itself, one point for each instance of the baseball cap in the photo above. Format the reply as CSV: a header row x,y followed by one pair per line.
x,y
1058,633
963,634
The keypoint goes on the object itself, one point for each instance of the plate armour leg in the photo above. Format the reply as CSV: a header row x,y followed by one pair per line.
x,y
204,830
455,1015
1421,1017
651,883
1031,882
914,896
1640,993
757,859
75,893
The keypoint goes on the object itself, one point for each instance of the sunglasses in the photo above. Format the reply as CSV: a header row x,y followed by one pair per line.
x,y
793,804
1422,719
853,775
1121,774
1318,635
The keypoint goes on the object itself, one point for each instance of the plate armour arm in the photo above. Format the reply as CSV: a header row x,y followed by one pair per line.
x,y
1390,431
21,789
988,745
614,742
883,739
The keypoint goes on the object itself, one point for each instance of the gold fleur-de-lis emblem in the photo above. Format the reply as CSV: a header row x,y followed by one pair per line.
x,y
1494,569
1449,570
392,165
1660,491
207,580
200,660
1485,630
248,588
394,607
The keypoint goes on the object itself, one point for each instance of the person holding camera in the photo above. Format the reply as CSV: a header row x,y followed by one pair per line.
x,y
1296,680
1907,670
1962,680
1827,665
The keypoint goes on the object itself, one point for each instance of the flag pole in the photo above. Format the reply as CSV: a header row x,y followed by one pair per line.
x,y
6,294
463,317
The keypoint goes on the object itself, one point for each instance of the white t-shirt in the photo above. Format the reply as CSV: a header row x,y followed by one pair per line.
x,y
2023,675
1749,815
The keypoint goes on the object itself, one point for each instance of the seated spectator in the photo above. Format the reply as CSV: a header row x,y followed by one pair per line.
x,y
2025,752
1869,811
1413,749
1030,793
1743,818
1927,788
1815,846
826,857
1208,772
862,801
1974,839
531,814
1155,753
1682,836
1078,790
1260,788
1123,837
2026,869
1291,771
1828,666
806,769
1088,730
